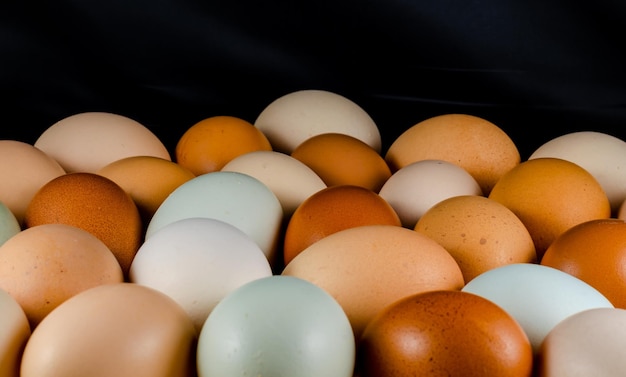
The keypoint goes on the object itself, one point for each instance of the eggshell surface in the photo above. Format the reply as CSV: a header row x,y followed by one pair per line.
x,y
366,268
9,226
538,297
43,266
294,117
444,333
197,262
25,169
277,326
289,179
415,188
119,330
14,333
85,142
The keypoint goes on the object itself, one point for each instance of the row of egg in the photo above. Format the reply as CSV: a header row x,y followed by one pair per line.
x,y
448,209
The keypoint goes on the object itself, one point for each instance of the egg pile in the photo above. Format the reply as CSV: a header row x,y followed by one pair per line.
x,y
296,246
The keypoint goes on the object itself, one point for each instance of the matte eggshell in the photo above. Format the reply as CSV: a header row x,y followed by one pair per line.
x,y
14,333
9,226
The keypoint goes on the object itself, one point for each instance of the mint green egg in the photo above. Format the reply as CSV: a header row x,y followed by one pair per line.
x,y
9,226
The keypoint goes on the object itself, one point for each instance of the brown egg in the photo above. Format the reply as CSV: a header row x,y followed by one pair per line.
x,y
366,268
209,144
121,330
94,203
474,143
444,333
14,333
341,159
147,179
333,209
86,142
24,170
43,266
551,195
479,233
595,252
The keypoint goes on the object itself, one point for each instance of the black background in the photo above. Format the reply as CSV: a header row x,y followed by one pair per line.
x,y
537,69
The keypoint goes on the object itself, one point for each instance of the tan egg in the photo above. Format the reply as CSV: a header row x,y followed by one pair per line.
x,y
341,159
147,179
368,267
289,179
476,144
480,233
294,117
24,170
121,330
86,142
45,265
14,333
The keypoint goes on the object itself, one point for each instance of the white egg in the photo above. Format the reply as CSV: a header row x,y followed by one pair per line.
x,y
537,296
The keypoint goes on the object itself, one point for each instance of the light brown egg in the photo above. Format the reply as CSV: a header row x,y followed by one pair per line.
x,y
147,179
24,170
476,144
14,333
479,233
86,142
45,265
93,203
121,330
368,267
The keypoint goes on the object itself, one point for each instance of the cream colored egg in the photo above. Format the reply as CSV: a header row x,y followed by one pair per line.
x,y
291,119
86,142
291,180
601,154
415,188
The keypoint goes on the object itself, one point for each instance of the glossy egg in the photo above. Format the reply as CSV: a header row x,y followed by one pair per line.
x,y
277,326
85,142
333,209
477,145
25,169
368,267
122,330
14,333
43,266
595,252
93,203
444,333
341,159
296,116
550,195
208,145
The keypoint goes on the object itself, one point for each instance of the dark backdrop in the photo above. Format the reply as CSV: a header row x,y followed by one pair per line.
x,y
537,69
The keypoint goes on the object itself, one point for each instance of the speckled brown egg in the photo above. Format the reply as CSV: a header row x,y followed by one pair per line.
x,y
444,333
94,203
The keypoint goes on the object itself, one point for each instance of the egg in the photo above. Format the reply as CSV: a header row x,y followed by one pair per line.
x,y
595,252
366,268
333,209
235,198
289,179
43,266
212,142
415,188
480,233
538,297
9,226
147,179
119,329
296,116
550,195
599,153
197,262
444,333
85,142
477,145
588,343
25,169
93,203
341,159
14,333
277,326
